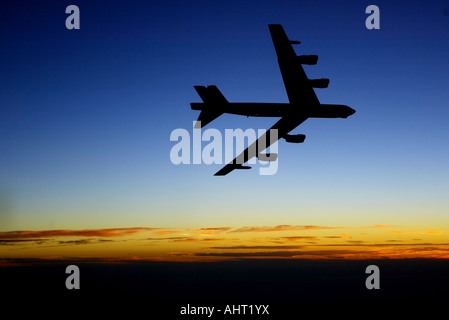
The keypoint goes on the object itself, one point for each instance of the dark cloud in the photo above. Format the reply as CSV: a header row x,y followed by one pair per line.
x,y
113,232
256,247
330,254
75,242
8,242
186,239
83,241
169,238
250,254
356,242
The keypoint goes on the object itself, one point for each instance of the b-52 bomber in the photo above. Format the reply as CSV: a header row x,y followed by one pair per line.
x,y
303,103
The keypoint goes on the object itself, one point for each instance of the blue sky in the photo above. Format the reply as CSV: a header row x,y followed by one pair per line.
x,y
87,114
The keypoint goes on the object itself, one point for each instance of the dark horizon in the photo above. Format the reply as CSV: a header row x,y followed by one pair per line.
x,y
247,279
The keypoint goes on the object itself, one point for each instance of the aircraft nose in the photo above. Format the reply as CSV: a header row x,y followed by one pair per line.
x,y
351,111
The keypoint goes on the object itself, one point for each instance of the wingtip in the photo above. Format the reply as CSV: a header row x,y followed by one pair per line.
x,y
220,172
273,27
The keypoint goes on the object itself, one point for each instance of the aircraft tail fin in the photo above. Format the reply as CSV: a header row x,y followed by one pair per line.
x,y
212,98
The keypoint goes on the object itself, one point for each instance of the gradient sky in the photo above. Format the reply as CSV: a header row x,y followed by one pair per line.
x,y
87,116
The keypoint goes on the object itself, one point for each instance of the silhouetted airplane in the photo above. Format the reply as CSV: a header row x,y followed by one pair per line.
x,y
303,104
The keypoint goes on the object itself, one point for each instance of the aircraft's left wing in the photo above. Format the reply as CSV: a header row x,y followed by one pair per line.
x,y
299,89
283,126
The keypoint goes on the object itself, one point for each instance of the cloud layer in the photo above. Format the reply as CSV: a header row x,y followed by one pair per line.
x,y
226,242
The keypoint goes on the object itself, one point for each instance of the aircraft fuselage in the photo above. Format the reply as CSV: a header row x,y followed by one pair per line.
x,y
251,109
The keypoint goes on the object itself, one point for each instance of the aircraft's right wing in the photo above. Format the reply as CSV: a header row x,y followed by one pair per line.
x,y
298,87
283,126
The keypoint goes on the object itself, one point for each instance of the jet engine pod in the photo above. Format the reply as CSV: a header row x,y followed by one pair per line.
x,y
267,156
295,138
319,83
309,60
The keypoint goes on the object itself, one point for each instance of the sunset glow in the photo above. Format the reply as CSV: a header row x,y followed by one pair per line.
x,y
225,243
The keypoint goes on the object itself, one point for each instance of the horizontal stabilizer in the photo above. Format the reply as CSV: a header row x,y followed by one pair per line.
x,y
213,99
206,117
210,95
